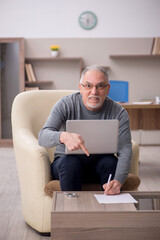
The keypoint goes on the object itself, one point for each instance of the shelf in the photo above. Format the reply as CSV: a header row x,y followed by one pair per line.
x,y
106,67
54,59
40,60
27,83
135,56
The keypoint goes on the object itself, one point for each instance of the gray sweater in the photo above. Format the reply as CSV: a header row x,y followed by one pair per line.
x,y
71,108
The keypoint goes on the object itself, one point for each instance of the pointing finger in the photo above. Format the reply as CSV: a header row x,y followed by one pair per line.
x,y
83,147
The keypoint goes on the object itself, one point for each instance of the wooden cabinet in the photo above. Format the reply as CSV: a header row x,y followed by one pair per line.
x,y
145,117
144,122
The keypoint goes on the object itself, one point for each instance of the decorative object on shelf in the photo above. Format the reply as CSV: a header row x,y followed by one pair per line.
x,y
157,100
54,50
88,20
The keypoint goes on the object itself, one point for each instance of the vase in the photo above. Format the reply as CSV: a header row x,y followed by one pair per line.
x,y
54,53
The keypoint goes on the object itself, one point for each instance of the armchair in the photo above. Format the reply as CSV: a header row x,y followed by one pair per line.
x,y
29,113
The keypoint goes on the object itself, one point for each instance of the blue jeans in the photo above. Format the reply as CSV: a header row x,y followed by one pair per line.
x,y
73,170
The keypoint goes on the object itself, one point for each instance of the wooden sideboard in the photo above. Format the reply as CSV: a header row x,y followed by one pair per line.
x,y
143,116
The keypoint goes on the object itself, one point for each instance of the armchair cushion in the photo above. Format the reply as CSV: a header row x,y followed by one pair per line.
x,y
52,186
131,183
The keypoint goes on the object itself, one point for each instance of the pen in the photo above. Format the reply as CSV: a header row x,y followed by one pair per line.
x,y
109,179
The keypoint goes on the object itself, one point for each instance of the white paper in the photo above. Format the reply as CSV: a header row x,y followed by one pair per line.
x,y
120,198
143,103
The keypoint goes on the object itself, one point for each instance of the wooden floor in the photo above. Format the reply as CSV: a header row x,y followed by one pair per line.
x,y
12,225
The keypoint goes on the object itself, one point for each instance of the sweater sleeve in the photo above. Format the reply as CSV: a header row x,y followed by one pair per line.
x,y
50,133
124,148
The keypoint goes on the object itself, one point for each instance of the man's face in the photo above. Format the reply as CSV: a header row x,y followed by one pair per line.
x,y
93,98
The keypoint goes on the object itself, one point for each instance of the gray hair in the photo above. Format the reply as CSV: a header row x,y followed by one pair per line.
x,y
94,68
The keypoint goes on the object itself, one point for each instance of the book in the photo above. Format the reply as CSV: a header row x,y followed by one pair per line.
x,y
33,77
156,46
158,50
28,73
152,48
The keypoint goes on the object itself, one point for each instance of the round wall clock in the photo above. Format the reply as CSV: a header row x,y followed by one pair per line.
x,y
87,20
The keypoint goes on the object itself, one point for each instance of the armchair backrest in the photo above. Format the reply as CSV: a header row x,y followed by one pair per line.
x,y
31,109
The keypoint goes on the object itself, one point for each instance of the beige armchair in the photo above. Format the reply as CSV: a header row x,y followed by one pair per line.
x,y
29,113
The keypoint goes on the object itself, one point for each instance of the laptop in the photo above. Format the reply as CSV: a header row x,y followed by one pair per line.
x,y
100,136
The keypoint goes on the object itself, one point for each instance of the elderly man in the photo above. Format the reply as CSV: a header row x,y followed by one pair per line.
x,y
90,103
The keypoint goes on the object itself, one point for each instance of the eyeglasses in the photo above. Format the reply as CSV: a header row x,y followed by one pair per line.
x,y
99,86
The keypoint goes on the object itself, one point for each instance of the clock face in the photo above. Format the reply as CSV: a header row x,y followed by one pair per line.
x,y
87,20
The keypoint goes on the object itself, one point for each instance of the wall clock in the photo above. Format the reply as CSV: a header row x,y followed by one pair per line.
x,y
87,20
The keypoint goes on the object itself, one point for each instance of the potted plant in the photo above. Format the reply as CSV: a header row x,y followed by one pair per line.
x,y
54,50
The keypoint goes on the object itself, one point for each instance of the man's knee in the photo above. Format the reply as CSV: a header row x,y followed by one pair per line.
x,y
107,162
70,163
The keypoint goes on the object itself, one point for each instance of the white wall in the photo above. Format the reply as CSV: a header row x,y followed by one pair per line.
x,y
59,18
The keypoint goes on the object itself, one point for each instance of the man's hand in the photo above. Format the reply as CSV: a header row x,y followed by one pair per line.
x,y
112,188
73,142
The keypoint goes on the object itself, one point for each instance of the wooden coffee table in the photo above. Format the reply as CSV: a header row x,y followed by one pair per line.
x,y
84,218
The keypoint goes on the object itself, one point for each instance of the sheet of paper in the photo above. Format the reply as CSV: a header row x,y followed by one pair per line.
x,y
120,198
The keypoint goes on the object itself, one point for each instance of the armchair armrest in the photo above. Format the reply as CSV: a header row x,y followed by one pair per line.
x,y
33,166
135,158
32,161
